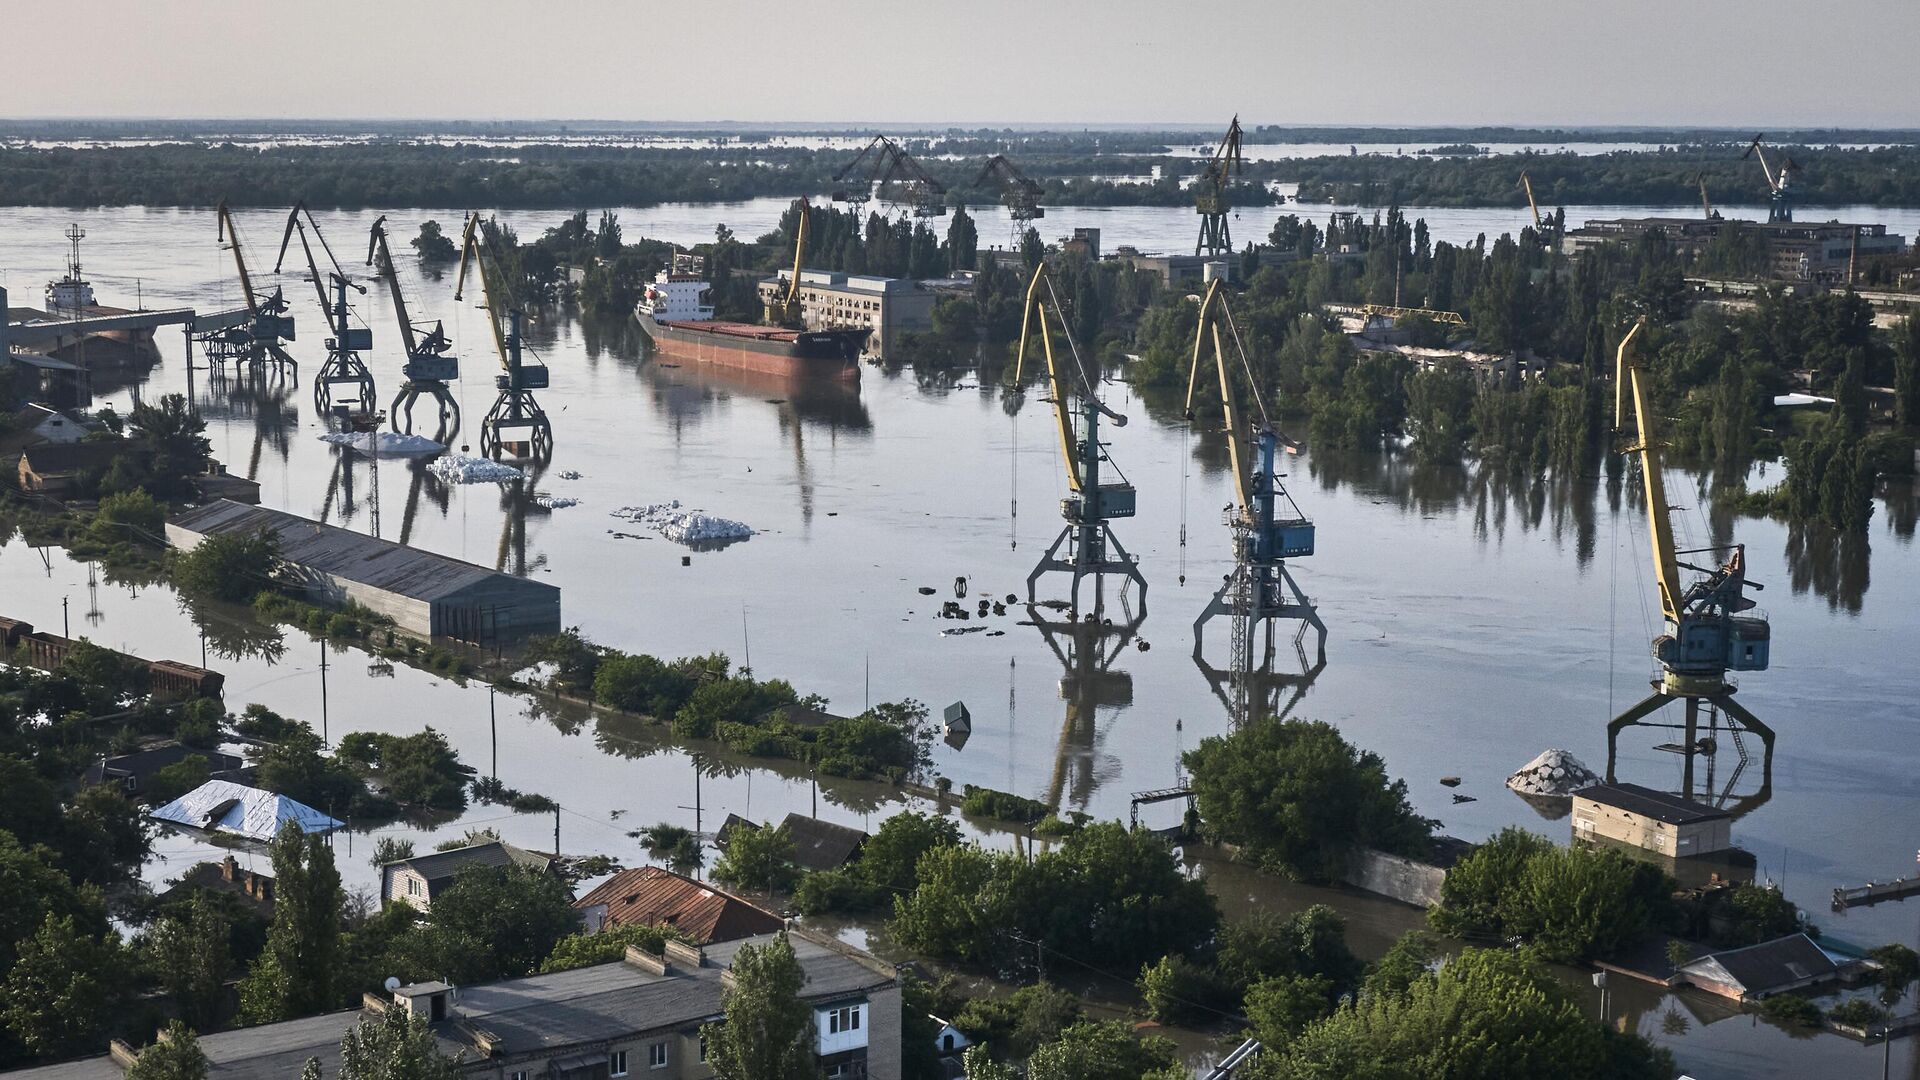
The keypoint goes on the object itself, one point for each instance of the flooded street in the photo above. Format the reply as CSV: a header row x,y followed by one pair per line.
x,y
1474,621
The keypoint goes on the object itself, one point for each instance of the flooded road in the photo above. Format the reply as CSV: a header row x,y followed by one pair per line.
x,y
1474,621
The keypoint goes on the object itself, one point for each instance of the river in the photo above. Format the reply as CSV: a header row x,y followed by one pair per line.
x,y
1474,622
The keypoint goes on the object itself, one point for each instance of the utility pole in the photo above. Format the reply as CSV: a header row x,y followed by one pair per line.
x,y
493,732
556,831
66,627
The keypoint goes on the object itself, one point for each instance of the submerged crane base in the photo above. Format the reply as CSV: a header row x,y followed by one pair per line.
x,y
340,371
516,411
1091,544
410,394
1273,608
1720,701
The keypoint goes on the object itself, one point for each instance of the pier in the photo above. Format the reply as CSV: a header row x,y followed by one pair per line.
x,y
1875,891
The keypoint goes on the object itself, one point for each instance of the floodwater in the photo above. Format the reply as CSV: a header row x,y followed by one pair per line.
x,y
1474,621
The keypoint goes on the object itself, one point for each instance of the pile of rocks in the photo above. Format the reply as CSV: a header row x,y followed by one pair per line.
x,y
1554,774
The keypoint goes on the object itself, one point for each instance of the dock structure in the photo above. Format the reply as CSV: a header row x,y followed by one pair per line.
x,y
1875,891
30,326
425,594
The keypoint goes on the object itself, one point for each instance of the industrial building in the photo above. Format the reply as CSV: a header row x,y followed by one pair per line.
x,y
1654,820
425,594
890,307
1801,250
1753,972
1176,271
640,1016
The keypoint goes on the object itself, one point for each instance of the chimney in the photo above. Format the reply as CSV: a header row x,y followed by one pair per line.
x,y
228,868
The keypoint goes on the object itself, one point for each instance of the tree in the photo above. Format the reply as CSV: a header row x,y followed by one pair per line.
x,y
37,889
679,847
1404,962
394,1046
228,566
767,1026
107,837
1899,967
297,975
169,782
1300,798
759,858
178,436
1282,1007
422,770
978,1065
130,516
175,1055
1102,1050
1574,902
1487,1013
65,988
295,767
963,241
190,951
1014,1026
888,859
492,922
390,849
432,245
1177,990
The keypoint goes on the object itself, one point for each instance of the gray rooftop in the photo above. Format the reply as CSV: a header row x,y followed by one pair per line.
x,y
349,555
443,865
540,1016
1648,803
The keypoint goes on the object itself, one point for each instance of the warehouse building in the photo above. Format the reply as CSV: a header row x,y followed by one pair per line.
x,y
426,595
1799,250
1654,820
890,307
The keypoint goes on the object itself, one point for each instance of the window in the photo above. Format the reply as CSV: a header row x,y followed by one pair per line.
x,y
517,1074
657,1056
844,1018
413,886
617,1063
703,1048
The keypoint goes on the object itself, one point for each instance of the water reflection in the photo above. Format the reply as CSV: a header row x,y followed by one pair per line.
x,y
1087,650
261,396
1832,564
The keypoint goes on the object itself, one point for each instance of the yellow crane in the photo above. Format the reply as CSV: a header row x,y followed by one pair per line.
x,y
1268,527
1526,182
785,310
1210,199
1091,502
1706,205
264,327
429,366
1707,630
515,410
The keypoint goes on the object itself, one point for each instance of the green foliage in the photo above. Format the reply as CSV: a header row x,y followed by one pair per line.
x,y
645,685
1002,806
295,767
419,769
759,858
176,434
396,1045
1282,1007
1485,1014
492,922
1014,1026
1300,798
1573,903
111,678
172,781
188,948
764,1034
175,1055
298,974
38,890
107,837
1753,914
890,857
575,660
390,849
130,515
1899,967
1406,961
1791,1009
1310,942
227,566
1107,892
824,891
609,944
433,245
65,988
1176,990
260,722
1857,1012
1103,1050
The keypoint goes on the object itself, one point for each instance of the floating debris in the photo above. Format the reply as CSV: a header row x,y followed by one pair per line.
x,y
383,442
1459,798
684,525
553,502
954,631
927,590
1450,781
1555,773
569,474
464,469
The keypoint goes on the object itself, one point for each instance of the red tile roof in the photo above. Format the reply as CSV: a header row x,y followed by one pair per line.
x,y
655,896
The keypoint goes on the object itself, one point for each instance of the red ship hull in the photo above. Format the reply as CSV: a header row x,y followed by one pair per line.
x,y
768,349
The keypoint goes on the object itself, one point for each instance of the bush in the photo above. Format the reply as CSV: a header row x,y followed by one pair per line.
x,y
1176,990
1791,1009
609,944
1857,1012
228,566
130,515
1574,903
825,891
1002,806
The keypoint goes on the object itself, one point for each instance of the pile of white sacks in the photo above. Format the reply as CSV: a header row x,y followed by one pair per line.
x,y
1555,774
463,469
383,442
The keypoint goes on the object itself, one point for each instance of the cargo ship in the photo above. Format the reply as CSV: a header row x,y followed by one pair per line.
x,y
673,312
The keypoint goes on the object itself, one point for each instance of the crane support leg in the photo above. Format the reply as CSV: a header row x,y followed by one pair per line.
x,y
1738,719
1090,556
409,395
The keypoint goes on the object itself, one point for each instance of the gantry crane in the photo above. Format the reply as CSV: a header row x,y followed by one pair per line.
x,y
1091,503
890,166
1779,181
1018,193
515,409
1216,238
343,370
1268,528
785,309
1707,633
1526,182
259,335
429,366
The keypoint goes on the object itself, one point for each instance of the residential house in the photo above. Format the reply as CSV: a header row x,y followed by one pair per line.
x,y
34,425
226,876
823,845
419,879
641,1016
131,772
1758,971
55,468
224,806
653,896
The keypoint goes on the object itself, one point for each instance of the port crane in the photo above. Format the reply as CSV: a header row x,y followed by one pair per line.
x,y
785,310
266,325
1210,200
344,372
1268,527
883,164
1533,204
1706,205
1779,181
430,364
1091,503
1018,193
1708,629
515,410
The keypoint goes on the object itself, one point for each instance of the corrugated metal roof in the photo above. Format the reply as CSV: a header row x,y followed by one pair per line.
x,y
654,896
1763,968
1648,803
224,806
382,564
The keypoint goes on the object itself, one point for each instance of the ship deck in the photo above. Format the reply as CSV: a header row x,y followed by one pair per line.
x,y
722,328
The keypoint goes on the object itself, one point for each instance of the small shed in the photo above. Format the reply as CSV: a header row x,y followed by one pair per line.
x,y
224,806
425,594
1757,971
823,845
1653,820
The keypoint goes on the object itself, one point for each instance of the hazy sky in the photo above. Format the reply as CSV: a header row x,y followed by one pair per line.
x,y
1757,63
